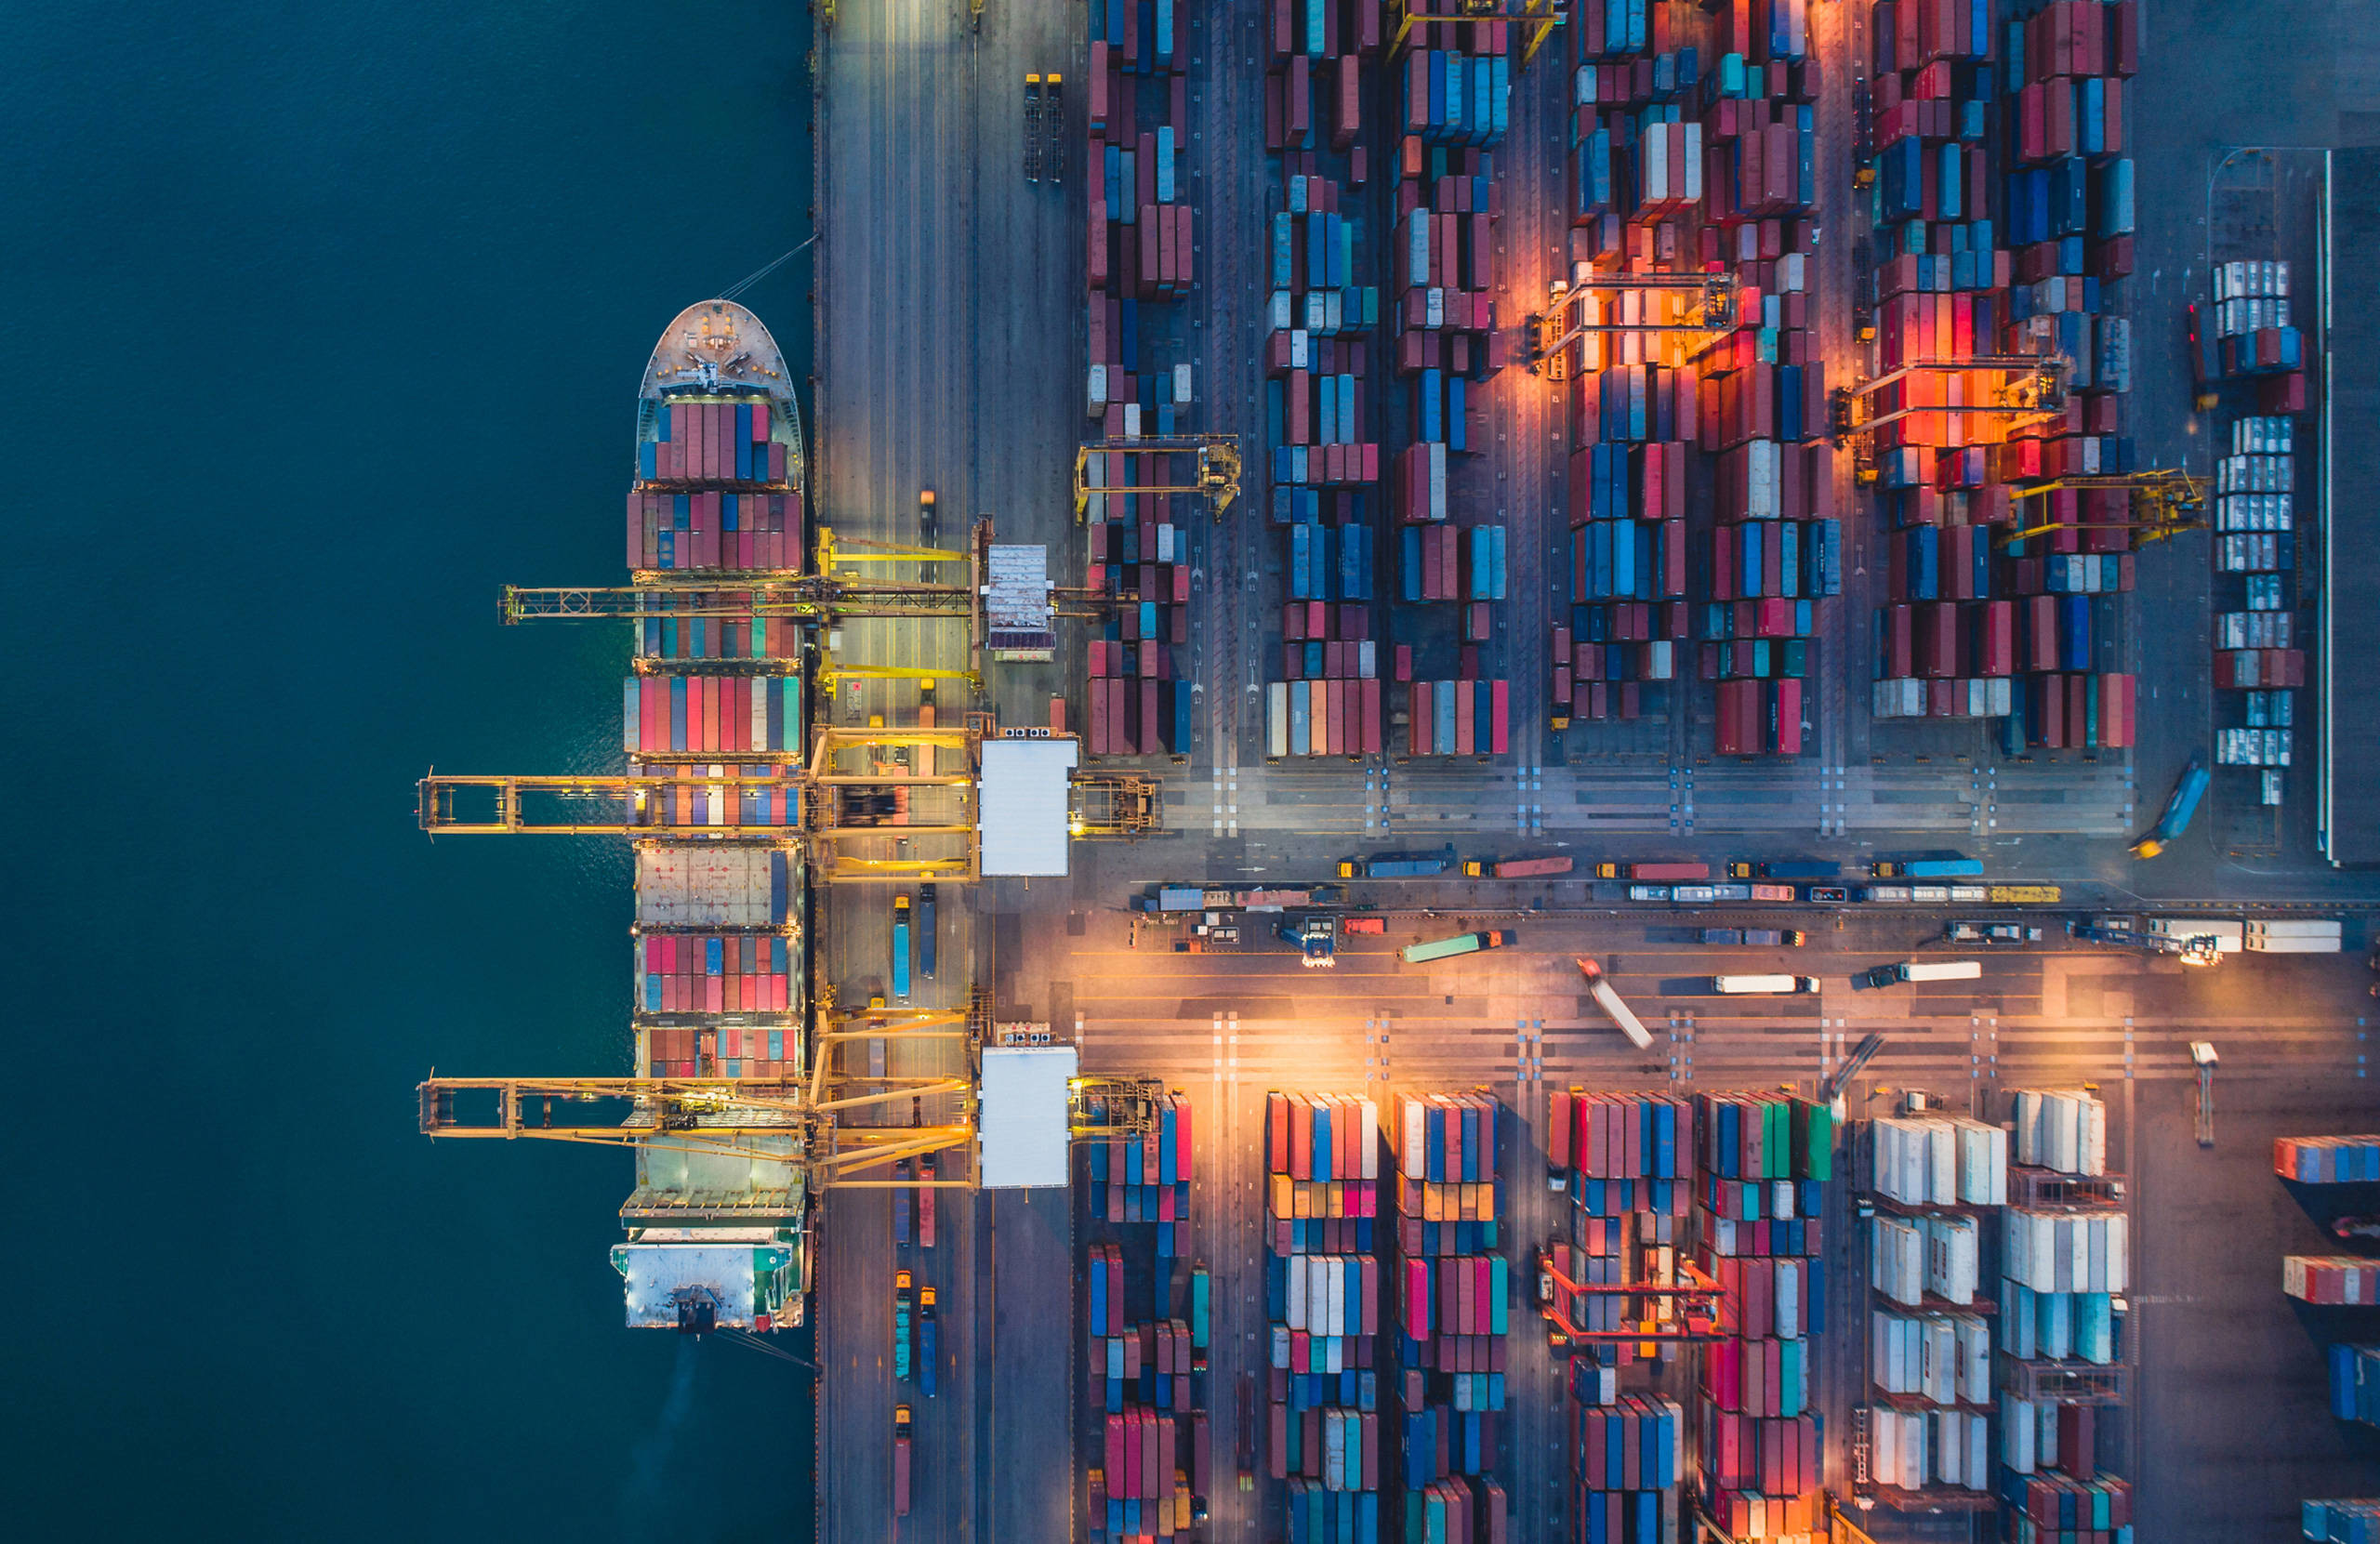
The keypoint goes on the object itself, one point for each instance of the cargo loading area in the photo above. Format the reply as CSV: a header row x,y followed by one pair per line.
x,y
1655,805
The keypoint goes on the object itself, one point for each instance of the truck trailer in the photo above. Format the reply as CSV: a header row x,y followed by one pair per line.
x,y
1609,1000
900,1460
1406,866
1460,944
1516,868
1925,969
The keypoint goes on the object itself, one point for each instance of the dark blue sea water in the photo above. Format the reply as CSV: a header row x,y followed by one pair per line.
x,y
319,323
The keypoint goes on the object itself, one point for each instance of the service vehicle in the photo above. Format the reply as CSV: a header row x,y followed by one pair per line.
x,y
1694,895
1648,893
1922,970
1460,944
926,515
1829,895
1315,937
1746,986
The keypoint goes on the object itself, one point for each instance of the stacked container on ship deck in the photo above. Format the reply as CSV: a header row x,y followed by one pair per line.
x,y
1766,1162
1693,153
1451,1293
1322,1428
2327,1160
716,935
714,490
1627,1164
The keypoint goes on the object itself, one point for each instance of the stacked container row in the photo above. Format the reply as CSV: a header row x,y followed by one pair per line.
x,y
713,973
2327,1160
717,807
727,1052
710,715
714,530
1135,702
2260,648
1146,1178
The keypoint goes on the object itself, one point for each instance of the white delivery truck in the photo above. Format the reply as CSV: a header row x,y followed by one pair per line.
x,y
2293,937
1923,969
1757,986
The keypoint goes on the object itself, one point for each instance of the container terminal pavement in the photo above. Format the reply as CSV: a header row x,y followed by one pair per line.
x,y
1884,1250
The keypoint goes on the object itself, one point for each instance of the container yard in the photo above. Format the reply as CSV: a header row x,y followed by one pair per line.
x,y
1567,508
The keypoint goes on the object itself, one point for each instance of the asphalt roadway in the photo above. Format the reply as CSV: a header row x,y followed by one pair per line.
x,y
950,356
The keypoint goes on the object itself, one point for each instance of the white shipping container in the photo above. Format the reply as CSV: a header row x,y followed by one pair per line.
x,y
1367,1126
1974,1360
1338,1278
1298,1278
1937,1374
1276,719
1180,383
1954,1258
1896,1261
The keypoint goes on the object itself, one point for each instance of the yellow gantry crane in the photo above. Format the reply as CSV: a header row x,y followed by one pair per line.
x,y
1701,306
1537,19
2164,502
1218,475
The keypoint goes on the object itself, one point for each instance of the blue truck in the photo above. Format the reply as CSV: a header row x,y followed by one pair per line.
x,y
2180,805
926,1357
1399,866
1798,868
925,930
1928,868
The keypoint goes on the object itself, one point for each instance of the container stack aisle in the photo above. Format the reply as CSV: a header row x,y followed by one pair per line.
x,y
1145,1361
2036,122
1323,1416
1453,85
1627,1164
2062,1262
2260,646
1767,1164
1693,153
1938,1184
1140,239
1450,1312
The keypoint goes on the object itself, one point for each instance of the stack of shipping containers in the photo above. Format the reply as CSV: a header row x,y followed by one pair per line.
x,y
1627,1164
2259,652
1323,456
2063,1261
717,938
1939,1185
1140,239
1761,1203
2342,1521
1452,88
2327,1160
1450,1308
1693,153
1144,1354
2035,117
1322,1421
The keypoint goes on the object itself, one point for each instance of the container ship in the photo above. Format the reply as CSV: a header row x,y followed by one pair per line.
x,y
717,1234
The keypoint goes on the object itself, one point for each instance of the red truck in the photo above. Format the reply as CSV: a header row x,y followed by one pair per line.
x,y
1516,868
900,1460
1660,874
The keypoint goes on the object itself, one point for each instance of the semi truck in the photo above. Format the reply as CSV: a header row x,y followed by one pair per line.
x,y
1923,969
1744,986
901,1326
1315,937
931,1168
900,948
2293,937
901,1203
925,1342
2180,805
900,1460
1609,1000
925,931
1660,874
1460,944
1928,868
1811,868
1516,868
1767,938
1399,866
1201,1316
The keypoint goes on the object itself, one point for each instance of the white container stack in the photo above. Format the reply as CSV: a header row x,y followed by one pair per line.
x,y
1954,1258
1913,1449
2066,1251
2062,1128
1944,1359
1941,1161
2057,1326
1897,1260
